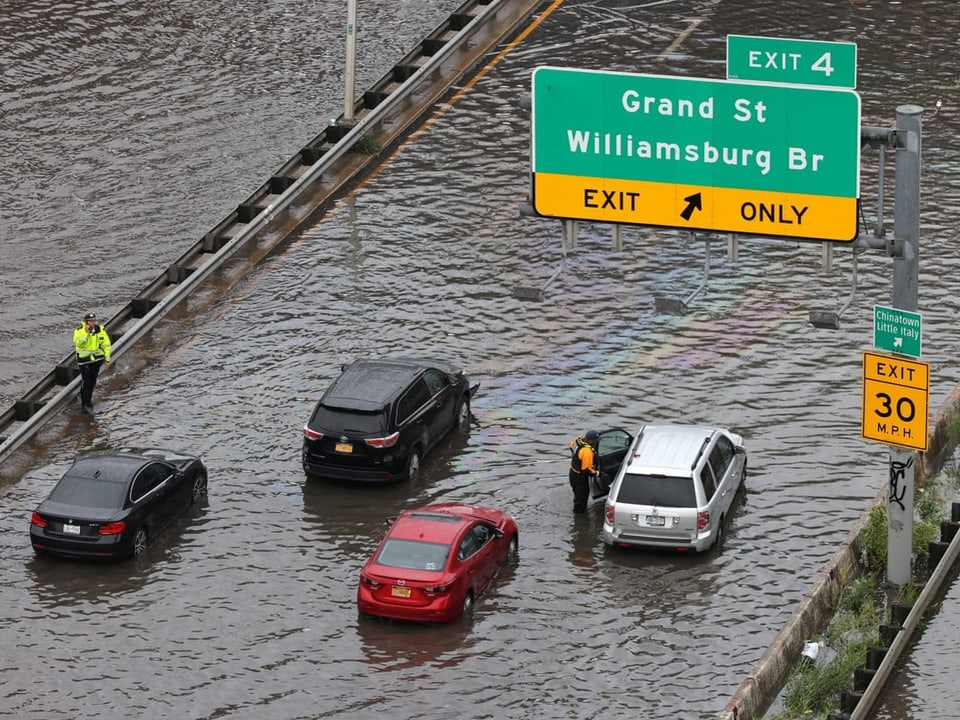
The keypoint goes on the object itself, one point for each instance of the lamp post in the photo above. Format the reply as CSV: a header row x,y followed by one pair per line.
x,y
349,76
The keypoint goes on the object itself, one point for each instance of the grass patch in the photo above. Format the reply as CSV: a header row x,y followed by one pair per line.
x,y
366,146
928,505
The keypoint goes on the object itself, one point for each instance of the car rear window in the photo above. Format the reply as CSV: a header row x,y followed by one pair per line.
x,y
659,490
88,492
413,555
333,420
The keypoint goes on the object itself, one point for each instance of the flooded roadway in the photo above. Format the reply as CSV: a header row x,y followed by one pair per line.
x,y
246,610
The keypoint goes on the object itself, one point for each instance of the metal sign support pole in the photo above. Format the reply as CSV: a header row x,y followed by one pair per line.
x,y
906,232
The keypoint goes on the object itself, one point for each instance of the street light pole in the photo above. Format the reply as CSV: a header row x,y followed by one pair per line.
x,y
350,74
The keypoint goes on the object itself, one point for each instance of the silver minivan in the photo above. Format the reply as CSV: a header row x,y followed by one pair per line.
x,y
675,488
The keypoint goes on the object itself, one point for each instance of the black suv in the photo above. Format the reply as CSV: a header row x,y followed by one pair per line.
x,y
380,417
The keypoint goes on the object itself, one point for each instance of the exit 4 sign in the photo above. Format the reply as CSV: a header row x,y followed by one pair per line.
x,y
799,62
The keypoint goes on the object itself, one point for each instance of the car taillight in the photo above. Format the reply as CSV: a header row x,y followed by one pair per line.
x,y
609,513
114,528
703,519
383,442
436,589
370,582
35,519
311,434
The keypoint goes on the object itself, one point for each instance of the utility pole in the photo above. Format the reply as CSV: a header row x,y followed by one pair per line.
x,y
906,263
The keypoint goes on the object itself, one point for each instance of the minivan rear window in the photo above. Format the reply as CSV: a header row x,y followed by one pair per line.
x,y
659,490
332,420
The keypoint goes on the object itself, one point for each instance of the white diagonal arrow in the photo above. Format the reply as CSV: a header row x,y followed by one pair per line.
x,y
897,342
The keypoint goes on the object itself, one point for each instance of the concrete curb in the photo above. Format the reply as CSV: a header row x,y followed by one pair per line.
x,y
941,445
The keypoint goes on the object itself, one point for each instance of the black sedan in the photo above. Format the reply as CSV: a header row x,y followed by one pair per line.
x,y
110,504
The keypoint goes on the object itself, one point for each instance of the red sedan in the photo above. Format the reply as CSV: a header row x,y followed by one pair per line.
x,y
435,561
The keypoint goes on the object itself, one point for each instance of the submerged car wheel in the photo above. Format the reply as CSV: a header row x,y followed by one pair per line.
x,y
513,551
139,542
463,414
466,609
199,488
413,465
718,540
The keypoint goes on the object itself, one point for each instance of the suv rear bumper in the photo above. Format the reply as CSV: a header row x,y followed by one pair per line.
x,y
621,537
337,472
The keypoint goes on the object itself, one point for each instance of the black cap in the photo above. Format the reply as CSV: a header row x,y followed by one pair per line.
x,y
90,316
592,435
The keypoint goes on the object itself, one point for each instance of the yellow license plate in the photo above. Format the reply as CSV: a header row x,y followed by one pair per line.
x,y
403,592
343,447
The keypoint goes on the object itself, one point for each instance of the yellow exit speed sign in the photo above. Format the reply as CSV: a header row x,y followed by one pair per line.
x,y
895,394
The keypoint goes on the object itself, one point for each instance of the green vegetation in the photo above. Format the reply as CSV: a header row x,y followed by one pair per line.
x,y
928,512
952,426
814,687
366,146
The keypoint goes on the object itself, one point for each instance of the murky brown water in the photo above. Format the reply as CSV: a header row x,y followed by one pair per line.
x,y
246,610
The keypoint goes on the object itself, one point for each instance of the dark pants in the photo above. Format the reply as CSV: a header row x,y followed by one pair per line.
x,y
88,381
581,491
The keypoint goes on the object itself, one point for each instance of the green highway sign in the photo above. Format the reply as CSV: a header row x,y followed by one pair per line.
x,y
801,62
897,331
759,159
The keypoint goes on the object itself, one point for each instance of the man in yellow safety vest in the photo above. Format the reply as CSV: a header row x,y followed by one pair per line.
x,y
583,466
93,351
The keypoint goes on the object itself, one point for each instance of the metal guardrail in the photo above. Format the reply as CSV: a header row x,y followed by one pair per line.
x,y
295,195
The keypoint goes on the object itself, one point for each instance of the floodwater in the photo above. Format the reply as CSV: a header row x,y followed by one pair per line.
x,y
135,132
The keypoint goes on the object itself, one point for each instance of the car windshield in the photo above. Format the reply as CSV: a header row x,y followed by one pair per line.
x,y
88,492
413,555
659,490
